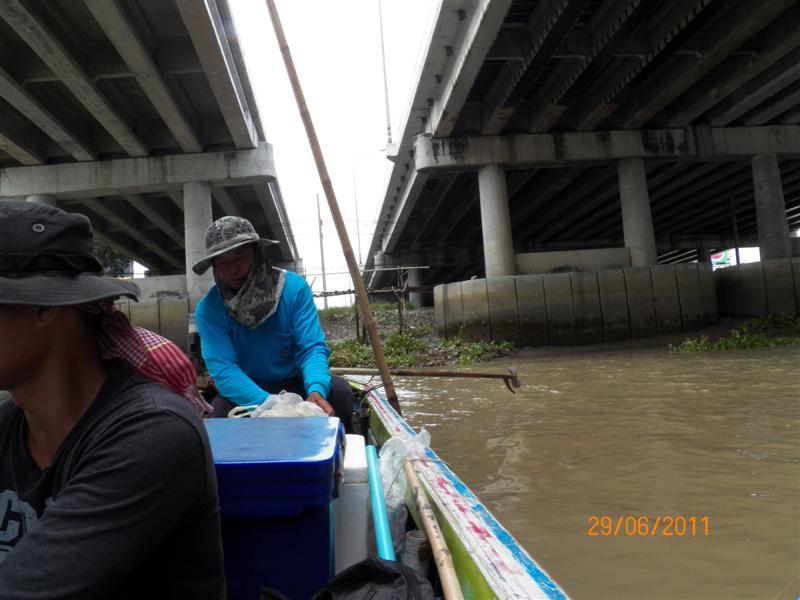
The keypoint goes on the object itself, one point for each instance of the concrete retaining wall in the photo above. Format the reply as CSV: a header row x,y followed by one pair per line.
x,y
579,307
475,304
531,310
163,307
666,299
641,302
503,315
759,288
586,308
161,286
614,305
531,263
166,316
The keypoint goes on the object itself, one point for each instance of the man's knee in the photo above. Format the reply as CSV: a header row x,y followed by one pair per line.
x,y
221,407
341,398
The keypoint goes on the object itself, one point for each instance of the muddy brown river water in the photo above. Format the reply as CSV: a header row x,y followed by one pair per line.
x,y
635,431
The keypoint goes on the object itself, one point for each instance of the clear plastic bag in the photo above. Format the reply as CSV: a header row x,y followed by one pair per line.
x,y
392,457
285,404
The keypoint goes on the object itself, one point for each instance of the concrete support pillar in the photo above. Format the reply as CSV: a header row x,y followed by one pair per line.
x,y
637,222
773,226
380,259
196,219
498,244
41,199
415,280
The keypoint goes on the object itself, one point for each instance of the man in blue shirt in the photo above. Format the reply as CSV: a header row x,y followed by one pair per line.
x,y
259,327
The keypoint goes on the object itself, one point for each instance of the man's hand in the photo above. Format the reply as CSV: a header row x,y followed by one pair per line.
x,y
317,399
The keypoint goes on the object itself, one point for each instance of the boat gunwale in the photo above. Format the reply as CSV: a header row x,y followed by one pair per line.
x,y
507,568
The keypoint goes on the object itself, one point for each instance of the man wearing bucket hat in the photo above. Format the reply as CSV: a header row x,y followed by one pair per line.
x,y
107,485
259,328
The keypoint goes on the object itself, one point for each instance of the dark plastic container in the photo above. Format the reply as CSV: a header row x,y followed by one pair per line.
x,y
277,478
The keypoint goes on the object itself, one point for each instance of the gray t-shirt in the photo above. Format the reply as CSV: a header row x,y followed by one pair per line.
x,y
127,509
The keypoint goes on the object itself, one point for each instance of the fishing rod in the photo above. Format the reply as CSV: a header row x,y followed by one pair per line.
x,y
510,379
333,205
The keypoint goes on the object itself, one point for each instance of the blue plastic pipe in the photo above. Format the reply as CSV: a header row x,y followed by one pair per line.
x,y
382,534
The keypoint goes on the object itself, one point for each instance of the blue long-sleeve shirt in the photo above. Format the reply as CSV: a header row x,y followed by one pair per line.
x,y
290,343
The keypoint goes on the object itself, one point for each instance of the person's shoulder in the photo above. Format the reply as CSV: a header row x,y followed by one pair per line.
x,y
154,415
210,308
137,413
209,301
294,279
295,284
142,398
151,396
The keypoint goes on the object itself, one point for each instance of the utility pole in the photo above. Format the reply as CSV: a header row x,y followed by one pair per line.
x,y
322,255
385,84
358,231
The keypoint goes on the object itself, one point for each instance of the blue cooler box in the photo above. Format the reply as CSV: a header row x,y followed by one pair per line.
x,y
277,478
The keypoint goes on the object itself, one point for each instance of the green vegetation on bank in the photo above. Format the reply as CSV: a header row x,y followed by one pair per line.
x,y
339,311
408,349
409,340
350,353
469,351
404,348
760,332
334,311
791,322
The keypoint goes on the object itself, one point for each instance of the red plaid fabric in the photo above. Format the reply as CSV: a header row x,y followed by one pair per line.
x,y
148,353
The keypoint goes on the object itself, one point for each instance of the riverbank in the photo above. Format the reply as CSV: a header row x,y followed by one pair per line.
x,y
418,344
758,332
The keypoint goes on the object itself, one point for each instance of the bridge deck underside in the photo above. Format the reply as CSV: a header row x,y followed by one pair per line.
x,y
600,65
94,80
578,207
149,227
585,65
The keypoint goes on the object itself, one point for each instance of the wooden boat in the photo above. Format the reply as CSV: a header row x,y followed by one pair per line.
x,y
488,561
283,525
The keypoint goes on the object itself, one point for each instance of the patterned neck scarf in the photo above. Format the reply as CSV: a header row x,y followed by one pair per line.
x,y
147,353
258,298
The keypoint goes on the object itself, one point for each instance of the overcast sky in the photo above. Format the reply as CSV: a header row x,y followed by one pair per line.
x,y
336,49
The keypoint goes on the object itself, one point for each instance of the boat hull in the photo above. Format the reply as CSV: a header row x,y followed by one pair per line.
x,y
489,562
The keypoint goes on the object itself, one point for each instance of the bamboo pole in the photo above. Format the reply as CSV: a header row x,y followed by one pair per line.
x,y
509,378
441,555
327,186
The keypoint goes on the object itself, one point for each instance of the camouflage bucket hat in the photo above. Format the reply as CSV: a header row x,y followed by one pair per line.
x,y
226,234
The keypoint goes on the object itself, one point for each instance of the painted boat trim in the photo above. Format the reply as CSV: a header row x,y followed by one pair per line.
x,y
507,568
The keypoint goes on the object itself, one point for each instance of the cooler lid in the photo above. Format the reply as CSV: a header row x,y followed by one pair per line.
x,y
276,463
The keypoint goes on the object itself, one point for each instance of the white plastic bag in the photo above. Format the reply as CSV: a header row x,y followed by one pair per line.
x,y
285,404
393,455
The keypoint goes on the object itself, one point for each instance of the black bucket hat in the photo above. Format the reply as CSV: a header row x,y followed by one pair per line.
x,y
46,258
225,234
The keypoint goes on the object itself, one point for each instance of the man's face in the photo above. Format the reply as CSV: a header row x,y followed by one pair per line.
x,y
234,266
20,344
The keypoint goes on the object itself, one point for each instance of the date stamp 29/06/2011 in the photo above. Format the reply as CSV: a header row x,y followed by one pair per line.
x,y
648,526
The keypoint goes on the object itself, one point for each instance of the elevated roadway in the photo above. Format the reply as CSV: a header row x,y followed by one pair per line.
x,y
140,115
666,128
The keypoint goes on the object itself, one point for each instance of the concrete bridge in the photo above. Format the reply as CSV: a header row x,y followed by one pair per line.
x,y
583,136
139,115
